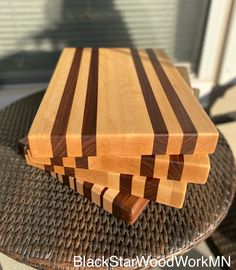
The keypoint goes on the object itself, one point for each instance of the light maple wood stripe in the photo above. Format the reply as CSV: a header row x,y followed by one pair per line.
x,y
108,199
40,166
60,177
138,187
161,166
199,166
72,183
96,194
207,132
108,179
37,162
80,186
46,161
171,194
41,128
128,165
172,124
59,170
113,180
177,198
74,129
94,177
121,107
69,162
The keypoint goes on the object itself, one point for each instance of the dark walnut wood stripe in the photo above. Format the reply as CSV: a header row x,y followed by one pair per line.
x,y
155,115
126,183
130,204
102,195
90,111
58,134
75,186
69,171
87,188
147,166
65,180
176,166
81,162
189,130
48,167
119,203
151,188
56,161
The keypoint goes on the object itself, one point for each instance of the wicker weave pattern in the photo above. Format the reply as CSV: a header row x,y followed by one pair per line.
x,y
43,223
223,240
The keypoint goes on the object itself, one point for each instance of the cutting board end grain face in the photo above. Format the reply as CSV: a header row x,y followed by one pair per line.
x,y
198,168
207,142
171,194
186,168
133,207
124,206
119,102
161,191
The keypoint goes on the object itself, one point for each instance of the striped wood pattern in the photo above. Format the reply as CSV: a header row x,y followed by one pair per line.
x,y
119,102
190,168
167,192
185,168
122,205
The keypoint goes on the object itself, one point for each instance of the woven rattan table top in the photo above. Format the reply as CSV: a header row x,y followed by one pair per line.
x,y
44,224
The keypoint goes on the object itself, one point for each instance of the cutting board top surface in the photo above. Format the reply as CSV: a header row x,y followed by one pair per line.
x,y
119,102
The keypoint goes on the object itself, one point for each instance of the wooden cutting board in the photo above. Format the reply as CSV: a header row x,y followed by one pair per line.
x,y
187,168
168,192
191,168
119,102
122,205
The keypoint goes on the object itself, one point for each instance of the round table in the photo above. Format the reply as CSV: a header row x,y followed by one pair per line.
x,y
44,224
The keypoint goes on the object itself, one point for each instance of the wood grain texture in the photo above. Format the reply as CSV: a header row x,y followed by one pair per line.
x,y
190,168
185,168
122,205
119,102
159,190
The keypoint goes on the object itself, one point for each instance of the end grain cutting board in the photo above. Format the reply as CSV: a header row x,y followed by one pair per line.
x,y
119,102
122,205
187,168
164,191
